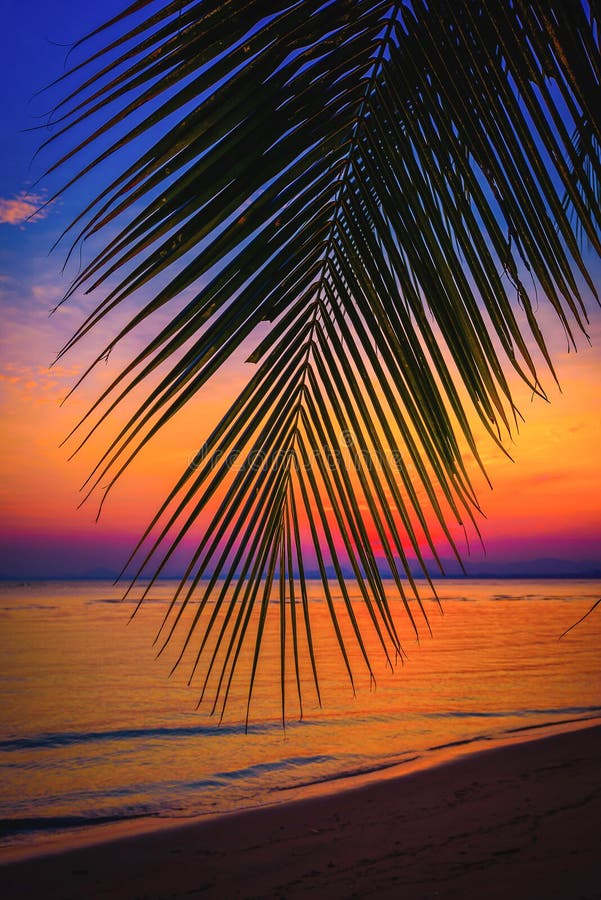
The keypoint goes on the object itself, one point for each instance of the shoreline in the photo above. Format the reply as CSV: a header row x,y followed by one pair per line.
x,y
95,833
523,816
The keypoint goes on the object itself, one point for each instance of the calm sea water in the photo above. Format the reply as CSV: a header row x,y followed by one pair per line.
x,y
93,732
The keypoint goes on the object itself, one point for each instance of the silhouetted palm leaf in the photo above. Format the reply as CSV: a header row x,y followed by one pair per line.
x,y
366,186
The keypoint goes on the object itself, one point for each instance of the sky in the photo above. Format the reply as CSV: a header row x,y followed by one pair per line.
x,y
545,504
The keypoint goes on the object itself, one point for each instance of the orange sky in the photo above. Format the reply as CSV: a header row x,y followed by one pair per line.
x,y
545,504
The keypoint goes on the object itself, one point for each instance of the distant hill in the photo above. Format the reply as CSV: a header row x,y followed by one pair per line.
x,y
544,567
532,568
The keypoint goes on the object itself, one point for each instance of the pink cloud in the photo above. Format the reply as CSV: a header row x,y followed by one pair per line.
x,y
22,208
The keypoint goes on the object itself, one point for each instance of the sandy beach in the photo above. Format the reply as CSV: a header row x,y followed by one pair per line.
x,y
517,821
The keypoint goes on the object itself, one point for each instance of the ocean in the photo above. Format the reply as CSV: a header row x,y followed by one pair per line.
x,y
96,738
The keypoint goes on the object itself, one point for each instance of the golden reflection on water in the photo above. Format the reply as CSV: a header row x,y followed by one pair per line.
x,y
130,741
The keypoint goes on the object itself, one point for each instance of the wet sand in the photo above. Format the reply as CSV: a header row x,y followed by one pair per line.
x,y
522,821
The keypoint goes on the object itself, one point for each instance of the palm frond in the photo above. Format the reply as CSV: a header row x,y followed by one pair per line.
x,y
366,186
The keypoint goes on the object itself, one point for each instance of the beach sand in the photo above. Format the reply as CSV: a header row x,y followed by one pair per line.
x,y
522,821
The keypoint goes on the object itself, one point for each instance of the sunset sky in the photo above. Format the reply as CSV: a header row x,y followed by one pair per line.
x,y
545,504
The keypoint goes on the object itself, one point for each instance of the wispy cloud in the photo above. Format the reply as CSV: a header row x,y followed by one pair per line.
x,y
22,208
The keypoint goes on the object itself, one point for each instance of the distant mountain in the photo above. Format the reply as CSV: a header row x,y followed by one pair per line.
x,y
531,568
544,567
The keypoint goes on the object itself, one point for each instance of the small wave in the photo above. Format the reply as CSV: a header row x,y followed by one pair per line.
x,y
253,771
595,710
518,713
26,607
111,600
68,738
562,598
348,773
554,722
29,824
460,743
467,714
51,740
